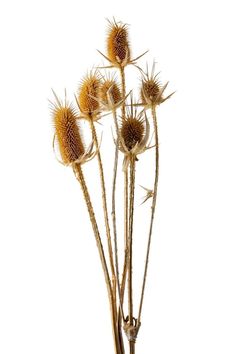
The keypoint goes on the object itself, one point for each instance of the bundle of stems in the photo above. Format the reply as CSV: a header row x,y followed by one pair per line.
x,y
100,94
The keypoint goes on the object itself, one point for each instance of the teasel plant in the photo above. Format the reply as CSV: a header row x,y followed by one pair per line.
x,y
101,93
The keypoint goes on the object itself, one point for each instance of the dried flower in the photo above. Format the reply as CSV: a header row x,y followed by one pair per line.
x,y
132,132
151,89
110,94
110,88
118,48
68,134
88,95
133,135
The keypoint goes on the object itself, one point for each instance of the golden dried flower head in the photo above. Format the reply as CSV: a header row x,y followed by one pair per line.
x,y
151,91
110,88
132,131
118,48
133,135
88,96
67,133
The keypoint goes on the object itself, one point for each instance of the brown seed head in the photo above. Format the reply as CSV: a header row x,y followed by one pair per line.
x,y
88,89
110,86
150,91
118,49
132,131
67,132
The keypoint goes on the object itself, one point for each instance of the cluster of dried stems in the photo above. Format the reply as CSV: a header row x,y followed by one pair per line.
x,y
98,95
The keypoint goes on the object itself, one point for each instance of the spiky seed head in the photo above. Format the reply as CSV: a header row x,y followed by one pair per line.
x,y
68,134
118,48
110,87
132,131
150,91
88,95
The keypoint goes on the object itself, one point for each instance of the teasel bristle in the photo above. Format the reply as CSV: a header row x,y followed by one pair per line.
x,y
109,86
67,132
132,131
118,47
88,95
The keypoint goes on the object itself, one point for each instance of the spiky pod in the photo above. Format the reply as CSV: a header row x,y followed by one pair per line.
x,y
118,48
111,88
67,133
150,91
132,132
88,95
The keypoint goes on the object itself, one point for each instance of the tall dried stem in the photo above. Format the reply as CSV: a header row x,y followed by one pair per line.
x,y
105,210
132,347
126,230
121,311
126,206
130,239
114,212
126,221
123,90
130,242
153,207
80,177
104,200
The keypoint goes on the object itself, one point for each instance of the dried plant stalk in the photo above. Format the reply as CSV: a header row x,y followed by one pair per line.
x,y
120,311
114,214
88,102
130,263
126,231
104,200
123,88
153,208
79,175
130,239
126,196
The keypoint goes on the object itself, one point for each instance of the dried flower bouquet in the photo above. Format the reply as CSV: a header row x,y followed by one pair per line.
x,y
100,94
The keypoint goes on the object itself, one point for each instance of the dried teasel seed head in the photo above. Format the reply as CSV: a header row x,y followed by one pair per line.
x,y
150,91
132,131
88,96
118,48
67,133
110,87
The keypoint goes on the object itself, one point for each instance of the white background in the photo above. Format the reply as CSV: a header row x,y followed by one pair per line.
x,y
52,292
